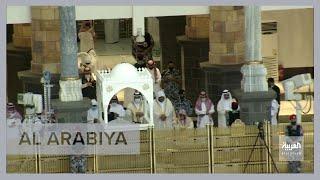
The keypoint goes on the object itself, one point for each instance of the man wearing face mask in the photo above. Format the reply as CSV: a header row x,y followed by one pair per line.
x,y
155,74
88,84
293,131
164,114
139,109
171,81
116,110
183,103
224,107
204,108
93,113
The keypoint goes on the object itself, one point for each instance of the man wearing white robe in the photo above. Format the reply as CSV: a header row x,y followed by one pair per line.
x,y
224,107
164,113
155,74
116,108
93,113
274,111
204,108
183,121
139,109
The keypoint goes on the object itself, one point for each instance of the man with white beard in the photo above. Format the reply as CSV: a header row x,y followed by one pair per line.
x,y
224,107
204,108
164,113
139,109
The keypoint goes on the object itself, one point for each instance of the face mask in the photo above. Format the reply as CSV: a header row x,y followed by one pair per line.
x,y
160,99
138,100
87,76
94,107
203,99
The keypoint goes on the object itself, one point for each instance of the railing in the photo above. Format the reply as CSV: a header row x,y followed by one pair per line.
x,y
205,150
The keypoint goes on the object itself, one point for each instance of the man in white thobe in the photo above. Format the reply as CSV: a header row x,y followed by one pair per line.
x,y
224,107
116,108
164,113
93,113
274,112
183,121
204,109
86,36
155,74
139,109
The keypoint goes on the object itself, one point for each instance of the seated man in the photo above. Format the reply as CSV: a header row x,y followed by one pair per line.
x,y
88,84
115,109
139,109
183,121
164,113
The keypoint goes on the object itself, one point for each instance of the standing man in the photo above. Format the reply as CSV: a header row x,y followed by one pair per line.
x,y
139,109
164,114
86,36
142,45
274,112
204,108
93,113
14,118
223,108
171,81
155,74
183,103
272,85
293,132
88,84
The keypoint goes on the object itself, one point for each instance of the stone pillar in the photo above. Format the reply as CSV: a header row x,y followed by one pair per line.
x,y
70,84
45,50
255,98
254,72
227,48
138,20
21,35
111,30
197,27
227,45
45,26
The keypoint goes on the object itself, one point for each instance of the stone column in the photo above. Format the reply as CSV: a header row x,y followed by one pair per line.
x,y
226,35
227,48
111,30
21,35
70,84
45,26
137,20
254,72
255,98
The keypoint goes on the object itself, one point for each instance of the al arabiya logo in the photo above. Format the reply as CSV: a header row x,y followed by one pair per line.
x,y
289,146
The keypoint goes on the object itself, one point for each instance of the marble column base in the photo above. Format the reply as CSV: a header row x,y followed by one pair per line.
x,y
70,90
254,78
254,106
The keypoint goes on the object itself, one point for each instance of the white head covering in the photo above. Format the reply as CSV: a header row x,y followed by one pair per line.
x,y
161,93
225,103
94,102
